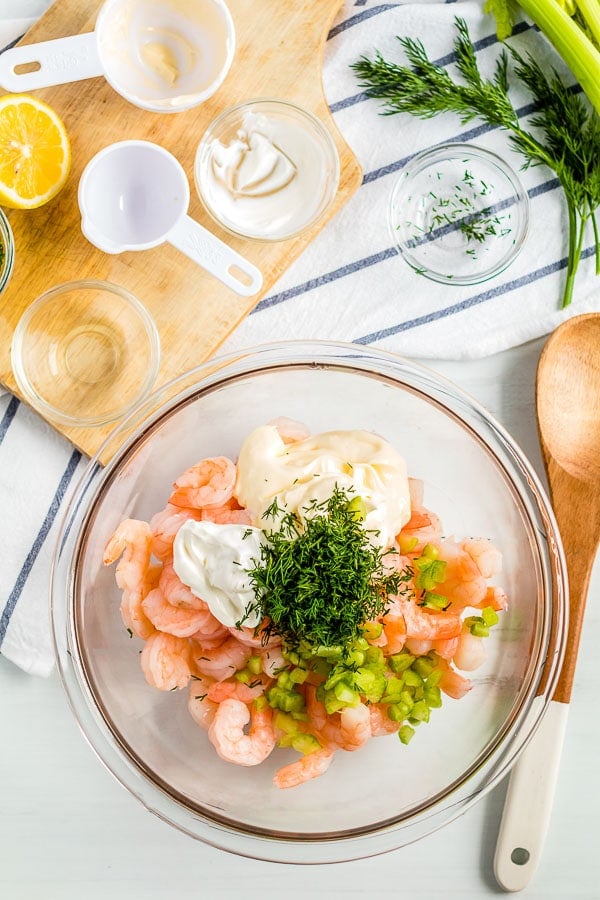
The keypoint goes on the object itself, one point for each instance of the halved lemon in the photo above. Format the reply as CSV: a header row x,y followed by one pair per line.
x,y
35,153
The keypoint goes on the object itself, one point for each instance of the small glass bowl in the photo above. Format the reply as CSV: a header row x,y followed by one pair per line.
x,y
7,251
256,211
85,353
458,214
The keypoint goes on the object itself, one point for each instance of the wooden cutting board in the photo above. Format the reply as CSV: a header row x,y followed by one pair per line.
x,y
279,54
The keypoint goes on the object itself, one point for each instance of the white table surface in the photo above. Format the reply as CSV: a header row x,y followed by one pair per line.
x,y
68,830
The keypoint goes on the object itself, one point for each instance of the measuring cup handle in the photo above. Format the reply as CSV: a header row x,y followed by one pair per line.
x,y
215,256
56,62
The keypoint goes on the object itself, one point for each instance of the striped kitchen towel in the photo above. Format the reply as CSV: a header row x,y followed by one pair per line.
x,y
350,284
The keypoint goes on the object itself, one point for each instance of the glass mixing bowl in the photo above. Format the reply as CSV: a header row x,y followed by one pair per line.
x,y
386,794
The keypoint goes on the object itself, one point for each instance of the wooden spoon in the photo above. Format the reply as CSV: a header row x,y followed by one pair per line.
x,y
568,411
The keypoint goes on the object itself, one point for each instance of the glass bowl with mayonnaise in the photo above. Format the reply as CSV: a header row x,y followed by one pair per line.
x,y
373,421
267,170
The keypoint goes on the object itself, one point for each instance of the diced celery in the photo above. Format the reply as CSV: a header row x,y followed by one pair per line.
x,y
254,665
298,676
420,712
489,615
305,743
406,734
399,662
434,678
430,551
346,695
358,508
407,544
372,630
285,722
242,676
397,712
435,601
412,678
433,697
423,666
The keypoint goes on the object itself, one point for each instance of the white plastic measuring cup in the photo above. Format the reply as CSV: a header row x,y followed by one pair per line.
x,y
134,195
161,55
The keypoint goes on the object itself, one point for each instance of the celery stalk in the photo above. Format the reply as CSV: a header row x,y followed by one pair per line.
x,y
590,10
572,44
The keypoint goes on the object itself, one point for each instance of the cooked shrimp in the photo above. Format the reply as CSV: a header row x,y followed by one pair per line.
x,y
165,525
132,611
485,556
423,525
254,637
470,652
350,729
225,690
429,625
380,721
175,620
452,683
166,661
225,515
208,484
393,635
211,634
290,430
201,708
418,646
132,542
464,585
416,490
223,661
226,732
310,766
272,660
176,592
317,714
495,597
446,647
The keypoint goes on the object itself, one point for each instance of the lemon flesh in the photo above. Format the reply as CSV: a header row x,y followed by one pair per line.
x,y
35,152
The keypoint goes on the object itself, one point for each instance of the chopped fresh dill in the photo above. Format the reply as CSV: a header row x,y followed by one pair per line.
x,y
320,577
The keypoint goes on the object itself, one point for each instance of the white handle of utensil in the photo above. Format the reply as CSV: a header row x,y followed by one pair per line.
x,y
529,800
215,256
55,62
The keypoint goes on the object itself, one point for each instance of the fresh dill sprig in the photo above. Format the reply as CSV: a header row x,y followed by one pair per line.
x,y
320,577
569,141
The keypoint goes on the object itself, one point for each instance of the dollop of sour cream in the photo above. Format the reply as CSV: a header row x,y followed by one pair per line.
x,y
267,180
297,474
212,560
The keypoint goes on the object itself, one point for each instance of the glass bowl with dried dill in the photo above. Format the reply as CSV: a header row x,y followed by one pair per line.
x,y
458,214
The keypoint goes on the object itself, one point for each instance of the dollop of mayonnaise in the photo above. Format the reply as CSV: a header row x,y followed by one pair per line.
x,y
251,165
212,559
297,474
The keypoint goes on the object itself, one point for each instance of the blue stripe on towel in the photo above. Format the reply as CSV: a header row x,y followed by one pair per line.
x,y
10,413
470,301
38,543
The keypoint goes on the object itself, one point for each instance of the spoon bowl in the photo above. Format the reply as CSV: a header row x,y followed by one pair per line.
x,y
568,392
